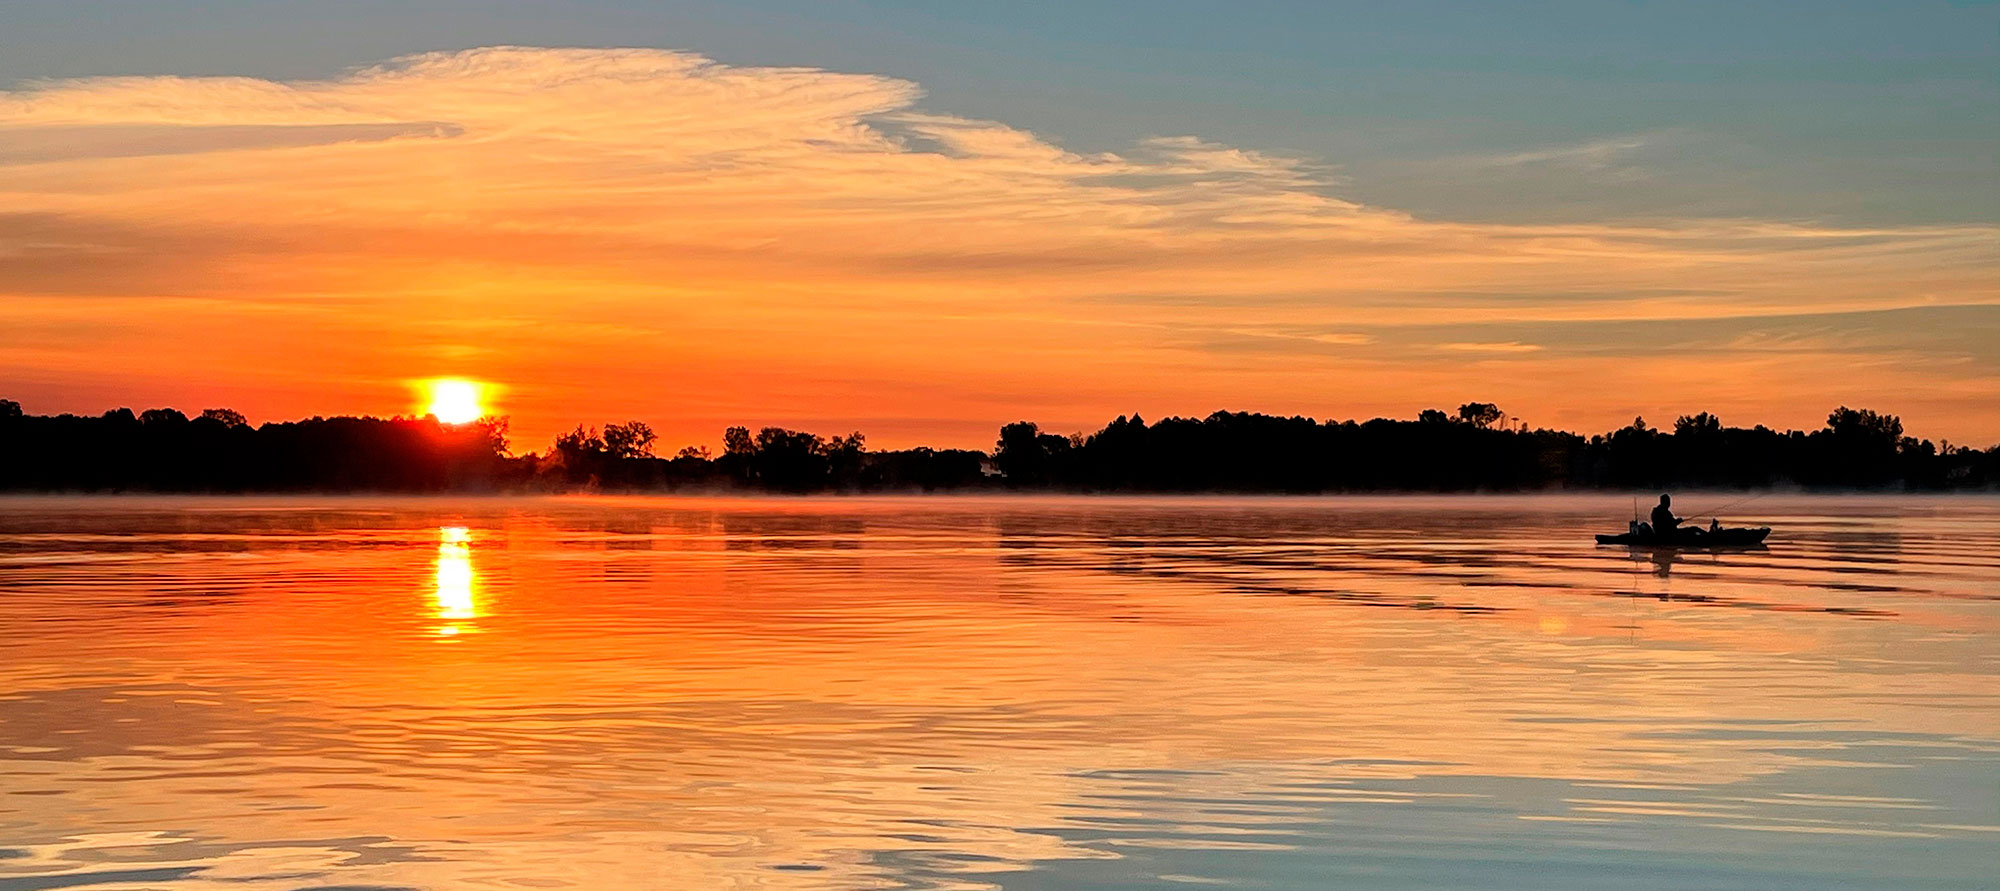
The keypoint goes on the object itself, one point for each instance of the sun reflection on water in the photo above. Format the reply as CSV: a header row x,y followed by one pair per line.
x,y
455,599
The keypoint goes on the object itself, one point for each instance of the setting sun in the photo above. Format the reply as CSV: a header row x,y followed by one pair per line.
x,y
454,401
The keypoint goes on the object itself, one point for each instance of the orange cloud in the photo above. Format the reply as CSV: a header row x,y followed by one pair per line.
x,y
644,233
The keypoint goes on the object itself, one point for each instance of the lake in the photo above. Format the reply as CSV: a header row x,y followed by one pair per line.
x,y
1011,693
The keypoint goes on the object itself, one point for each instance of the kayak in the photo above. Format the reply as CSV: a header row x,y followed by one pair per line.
x,y
1740,537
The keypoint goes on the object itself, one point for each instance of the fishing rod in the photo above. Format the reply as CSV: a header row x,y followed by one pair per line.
x,y
1711,513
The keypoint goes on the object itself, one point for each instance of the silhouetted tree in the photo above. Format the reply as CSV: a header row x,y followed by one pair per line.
x,y
580,442
1479,414
228,417
1864,426
493,429
844,459
1700,424
738,448
1027,456
1858,447
737,441
789,460
632,439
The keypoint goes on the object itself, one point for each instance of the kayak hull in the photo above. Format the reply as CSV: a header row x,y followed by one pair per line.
x,y
1720,538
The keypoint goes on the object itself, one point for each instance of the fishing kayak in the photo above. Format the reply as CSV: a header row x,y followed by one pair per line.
x,y
1739,537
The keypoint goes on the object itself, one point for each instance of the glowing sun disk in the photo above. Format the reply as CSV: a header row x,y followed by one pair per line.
x,y
455,401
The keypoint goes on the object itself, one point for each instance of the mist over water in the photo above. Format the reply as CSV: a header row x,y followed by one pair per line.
x,y
1032,693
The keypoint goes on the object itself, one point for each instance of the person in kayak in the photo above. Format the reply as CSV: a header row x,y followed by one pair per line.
x,y
1665,524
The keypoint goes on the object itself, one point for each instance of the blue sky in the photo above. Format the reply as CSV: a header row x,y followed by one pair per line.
x,y
1849,113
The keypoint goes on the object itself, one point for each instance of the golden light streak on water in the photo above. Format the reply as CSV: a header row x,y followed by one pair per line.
x,y
454,579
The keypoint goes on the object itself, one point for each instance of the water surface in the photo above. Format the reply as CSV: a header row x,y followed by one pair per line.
x,y
626,693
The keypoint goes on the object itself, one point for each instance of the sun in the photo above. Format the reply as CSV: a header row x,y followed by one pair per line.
x,y
454,401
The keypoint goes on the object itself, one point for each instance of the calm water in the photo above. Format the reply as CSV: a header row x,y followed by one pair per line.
x,y
988,693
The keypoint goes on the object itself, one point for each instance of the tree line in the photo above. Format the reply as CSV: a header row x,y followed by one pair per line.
x,y
1475,448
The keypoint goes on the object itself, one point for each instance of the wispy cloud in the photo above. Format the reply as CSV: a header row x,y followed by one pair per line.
x,y
1511,346
1595,154
1606,160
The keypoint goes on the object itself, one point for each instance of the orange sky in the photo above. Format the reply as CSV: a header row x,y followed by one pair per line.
x,y
612,234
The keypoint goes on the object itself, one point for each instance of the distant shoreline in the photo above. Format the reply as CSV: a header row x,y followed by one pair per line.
x,y
1475,450
989,495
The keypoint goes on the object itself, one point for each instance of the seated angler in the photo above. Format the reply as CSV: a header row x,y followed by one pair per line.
x,y
1666,525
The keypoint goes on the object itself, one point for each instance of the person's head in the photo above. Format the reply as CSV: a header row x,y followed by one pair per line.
x,y
1666,500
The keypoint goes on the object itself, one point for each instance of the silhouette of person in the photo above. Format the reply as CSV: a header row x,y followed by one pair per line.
x,y
1665,524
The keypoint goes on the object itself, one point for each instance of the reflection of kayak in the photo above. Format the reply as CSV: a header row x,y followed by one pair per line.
x,y
1740,537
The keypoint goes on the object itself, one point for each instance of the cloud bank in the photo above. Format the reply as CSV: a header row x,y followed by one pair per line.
x,y
652,233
